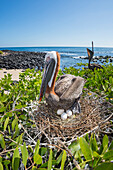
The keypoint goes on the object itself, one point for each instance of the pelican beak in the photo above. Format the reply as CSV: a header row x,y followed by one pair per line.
x,y
48,70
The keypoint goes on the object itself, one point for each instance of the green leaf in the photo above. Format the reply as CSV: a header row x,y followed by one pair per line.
x,y
63,160
1,166
24,154
87,137
9,114
30,148
42,151
16,131
34,168
59,158
14,123
16,159
93,144
44,165
42,169
9,129
2,109
74,147
85,149
2,142
50,161
6,123
37,147
108,155
19,106
111,145
23,117
105,166
0,159
95,162
37,159
105,143
6,162
19,139
96,155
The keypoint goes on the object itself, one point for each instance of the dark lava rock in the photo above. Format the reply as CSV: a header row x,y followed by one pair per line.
x,y
111,60
22,59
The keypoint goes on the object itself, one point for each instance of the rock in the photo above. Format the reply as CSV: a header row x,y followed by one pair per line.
x,y
22,59
111,60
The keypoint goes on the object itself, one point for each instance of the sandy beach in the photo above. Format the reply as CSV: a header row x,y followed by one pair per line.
x,y
14,72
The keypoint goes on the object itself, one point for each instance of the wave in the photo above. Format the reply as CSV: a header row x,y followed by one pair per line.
x,y
80,57
67,54
103,52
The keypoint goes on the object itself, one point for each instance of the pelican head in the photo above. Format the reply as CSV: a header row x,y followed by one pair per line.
x,y
49,72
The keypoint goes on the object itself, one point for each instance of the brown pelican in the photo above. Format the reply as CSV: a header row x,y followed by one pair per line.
x,y
90,56
63,95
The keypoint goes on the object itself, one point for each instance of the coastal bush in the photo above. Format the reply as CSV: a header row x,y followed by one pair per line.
x,y
92,154
99,81
19,146
1,52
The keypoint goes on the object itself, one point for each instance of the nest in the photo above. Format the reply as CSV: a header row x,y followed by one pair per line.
x,y
95,115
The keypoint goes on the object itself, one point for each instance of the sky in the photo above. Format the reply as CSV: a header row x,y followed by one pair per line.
x,y
56,23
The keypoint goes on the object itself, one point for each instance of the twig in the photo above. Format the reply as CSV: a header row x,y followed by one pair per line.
x,y
8,137
25,130
108,133
40,132
46,136
107,119
90,131
14,103
6,151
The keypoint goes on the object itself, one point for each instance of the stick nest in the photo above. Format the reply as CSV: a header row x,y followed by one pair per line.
x,y
95,114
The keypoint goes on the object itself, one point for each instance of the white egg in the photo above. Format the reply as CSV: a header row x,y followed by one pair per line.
x,y
64,116
69,113
60,111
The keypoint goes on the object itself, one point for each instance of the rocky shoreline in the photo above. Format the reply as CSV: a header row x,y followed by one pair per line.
x,y
102,59
21,59
24,59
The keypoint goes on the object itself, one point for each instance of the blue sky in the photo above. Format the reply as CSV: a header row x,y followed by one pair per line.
x,y
56,23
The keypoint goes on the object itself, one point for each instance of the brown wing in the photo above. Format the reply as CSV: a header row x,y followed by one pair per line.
x,y
74,90
69,87
63,83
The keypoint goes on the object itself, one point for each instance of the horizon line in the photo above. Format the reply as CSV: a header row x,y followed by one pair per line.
x,y
55,46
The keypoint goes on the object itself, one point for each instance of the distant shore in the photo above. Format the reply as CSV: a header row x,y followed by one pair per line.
x,y
15,62
70,56
21,59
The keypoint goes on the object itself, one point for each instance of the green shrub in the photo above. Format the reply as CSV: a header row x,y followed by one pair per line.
x,y
1,52
17,138
99,81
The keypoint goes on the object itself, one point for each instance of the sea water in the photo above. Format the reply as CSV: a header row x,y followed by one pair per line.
x,y
70,56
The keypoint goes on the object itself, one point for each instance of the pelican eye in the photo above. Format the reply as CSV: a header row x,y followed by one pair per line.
x,y
73,79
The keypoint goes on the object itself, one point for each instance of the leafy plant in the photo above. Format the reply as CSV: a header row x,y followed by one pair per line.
x,y
18,145
99,81
93,154
1,52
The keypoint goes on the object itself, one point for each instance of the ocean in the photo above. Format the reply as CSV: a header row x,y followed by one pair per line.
x,y
70,56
